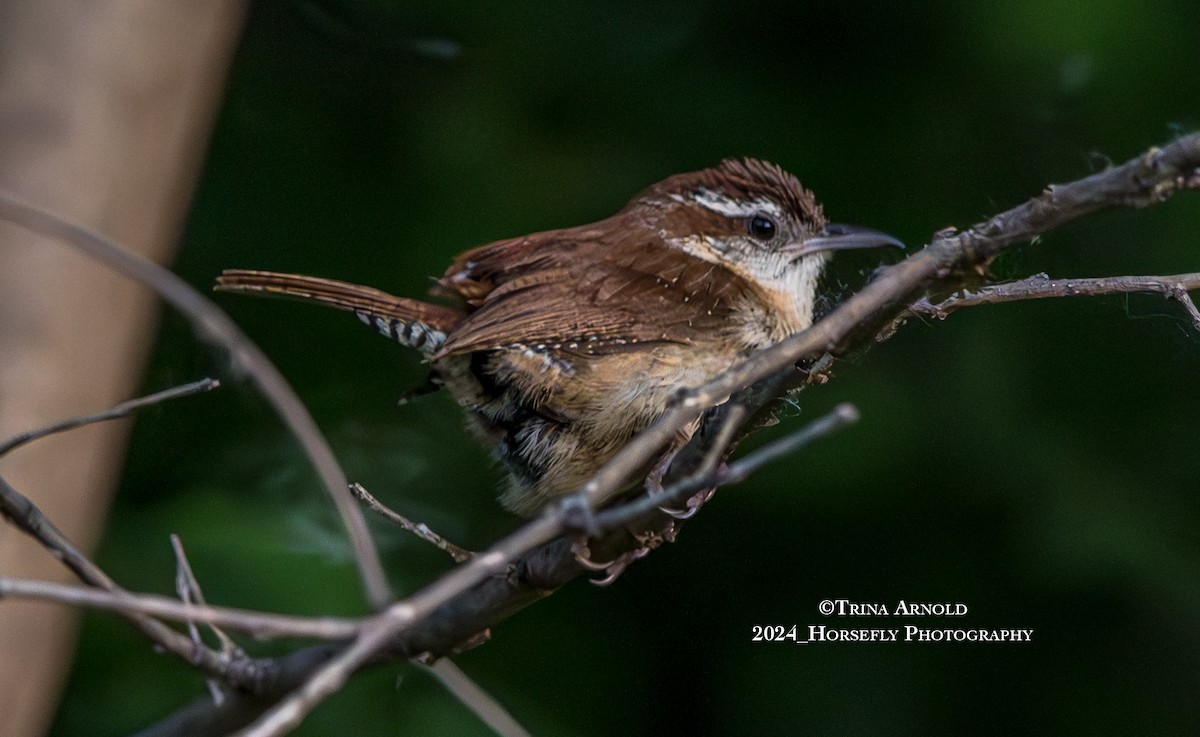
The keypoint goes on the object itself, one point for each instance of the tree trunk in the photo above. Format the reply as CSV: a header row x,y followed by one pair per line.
x,y
104,112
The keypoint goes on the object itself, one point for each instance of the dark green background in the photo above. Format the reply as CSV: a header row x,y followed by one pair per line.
x,y
1035,461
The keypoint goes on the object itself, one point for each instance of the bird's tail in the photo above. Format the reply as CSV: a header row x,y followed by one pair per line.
x,y
413,323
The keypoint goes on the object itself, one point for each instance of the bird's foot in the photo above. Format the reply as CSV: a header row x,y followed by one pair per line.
x,y
654,479
618,566
614,568
583,555
693,504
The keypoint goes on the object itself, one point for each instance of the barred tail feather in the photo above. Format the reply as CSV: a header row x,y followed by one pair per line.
x,y
411,322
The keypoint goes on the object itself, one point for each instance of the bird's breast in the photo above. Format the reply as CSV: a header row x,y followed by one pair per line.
x,y
606,398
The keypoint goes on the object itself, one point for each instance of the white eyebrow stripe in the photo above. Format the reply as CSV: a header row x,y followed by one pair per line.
x,y
722,205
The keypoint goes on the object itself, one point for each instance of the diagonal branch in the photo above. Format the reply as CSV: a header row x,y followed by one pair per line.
x,y
420,529
489,711
710,475
738,471
124,409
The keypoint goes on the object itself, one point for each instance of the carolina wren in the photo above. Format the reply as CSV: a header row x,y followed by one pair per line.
x,y
561,345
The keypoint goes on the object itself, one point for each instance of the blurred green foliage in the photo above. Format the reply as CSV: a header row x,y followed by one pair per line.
x,y
1036,461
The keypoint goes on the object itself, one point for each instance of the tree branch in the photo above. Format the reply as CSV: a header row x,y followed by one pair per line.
x,y
1041,286
710,476
257,624
420,529
123,409
489,711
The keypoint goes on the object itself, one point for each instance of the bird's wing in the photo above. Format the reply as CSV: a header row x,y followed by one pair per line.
x,y
569,292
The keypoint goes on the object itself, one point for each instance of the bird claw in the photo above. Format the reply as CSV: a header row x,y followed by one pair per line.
x,y
697,500
618,566
583,556
613,569
679,513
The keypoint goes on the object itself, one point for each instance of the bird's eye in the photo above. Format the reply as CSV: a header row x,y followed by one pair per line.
x,y
762,227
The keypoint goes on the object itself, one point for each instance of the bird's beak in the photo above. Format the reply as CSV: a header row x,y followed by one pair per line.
x,y
838,237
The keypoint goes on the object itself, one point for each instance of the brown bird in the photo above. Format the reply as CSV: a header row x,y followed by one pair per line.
x,y
561,345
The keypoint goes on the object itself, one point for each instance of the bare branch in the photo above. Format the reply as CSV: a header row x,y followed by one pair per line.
x,y
479,701
1041,286
123,409
702,477
328,679
23,513
211,322
842,416
420,529
188,590
258,624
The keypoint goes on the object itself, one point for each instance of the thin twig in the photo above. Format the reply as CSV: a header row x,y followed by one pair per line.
x,y
211,322
22,512
1181,295
124,409
1041,286
187,587
189,592
479,701
842,416
257,624
712,476
679,492
735,415
420,529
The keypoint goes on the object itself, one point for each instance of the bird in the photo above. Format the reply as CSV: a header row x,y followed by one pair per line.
x,y
561,345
